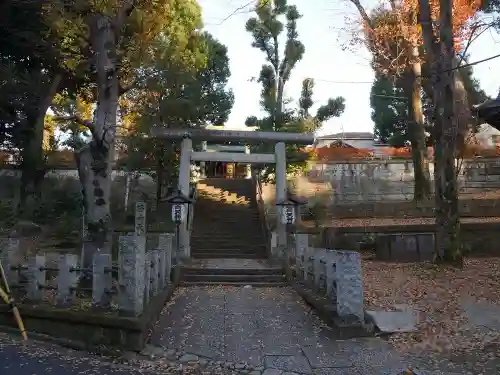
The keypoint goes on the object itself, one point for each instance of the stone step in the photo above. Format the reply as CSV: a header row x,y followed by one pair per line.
x,y
226,227
227,254
186,270
230,232
226,234
235,278
212,246
243,250
236,283
203,234
232,210
221,223
235,246
231,216
227,209
253,236
220,219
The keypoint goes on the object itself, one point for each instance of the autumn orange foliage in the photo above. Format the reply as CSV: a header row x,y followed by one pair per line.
x,y
395,30
340,153
333,154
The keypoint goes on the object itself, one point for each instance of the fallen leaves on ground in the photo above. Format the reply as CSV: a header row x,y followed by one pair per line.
x,y
437,294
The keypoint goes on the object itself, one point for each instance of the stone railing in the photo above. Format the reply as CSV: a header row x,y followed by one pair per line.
x,y
137,276
334,276
131,282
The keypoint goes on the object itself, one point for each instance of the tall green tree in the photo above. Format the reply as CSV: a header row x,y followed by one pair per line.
x,y
273,18
177,96
266,30
31,70
121,35
389,112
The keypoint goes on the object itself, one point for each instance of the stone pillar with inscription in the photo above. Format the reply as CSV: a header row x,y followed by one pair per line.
x,y
184,179
140,227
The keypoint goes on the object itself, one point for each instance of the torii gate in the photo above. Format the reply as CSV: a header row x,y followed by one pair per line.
x,y
188,155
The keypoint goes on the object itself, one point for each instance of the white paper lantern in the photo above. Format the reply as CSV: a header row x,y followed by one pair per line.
x,y
178,213
288,215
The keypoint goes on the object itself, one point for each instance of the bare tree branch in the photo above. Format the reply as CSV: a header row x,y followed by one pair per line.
x,y
88,124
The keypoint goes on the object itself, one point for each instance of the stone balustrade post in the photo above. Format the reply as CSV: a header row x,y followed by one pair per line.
x,y
102,280
301,245
36,276
67,278
165,245
8,250
132,277
349,286
155,272
147,277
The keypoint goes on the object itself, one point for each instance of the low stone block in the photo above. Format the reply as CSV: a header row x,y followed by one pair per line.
x,y
405,247
393,321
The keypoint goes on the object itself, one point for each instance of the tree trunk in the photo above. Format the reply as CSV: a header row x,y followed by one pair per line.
x,y
462,113
95,159
422,188
445,132
33,164
278,122
447,218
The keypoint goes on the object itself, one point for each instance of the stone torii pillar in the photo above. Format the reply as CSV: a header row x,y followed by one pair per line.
x,y
281,191
184,179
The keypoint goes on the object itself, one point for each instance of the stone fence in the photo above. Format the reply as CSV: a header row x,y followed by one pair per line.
x,y
332,275
379,180
140,276
137,276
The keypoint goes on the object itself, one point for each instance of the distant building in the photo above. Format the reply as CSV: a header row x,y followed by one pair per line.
x,y
360,140
487,136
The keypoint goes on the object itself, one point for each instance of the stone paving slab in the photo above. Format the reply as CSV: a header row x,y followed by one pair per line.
x,y
394,321
266,330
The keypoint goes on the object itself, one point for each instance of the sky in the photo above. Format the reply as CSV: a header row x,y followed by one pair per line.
x,y
324,30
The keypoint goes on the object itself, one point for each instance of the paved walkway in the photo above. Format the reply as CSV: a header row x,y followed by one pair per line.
x,y
264,331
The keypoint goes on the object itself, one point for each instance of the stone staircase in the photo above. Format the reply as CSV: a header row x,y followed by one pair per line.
x,y
228,246
239,275
226,221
